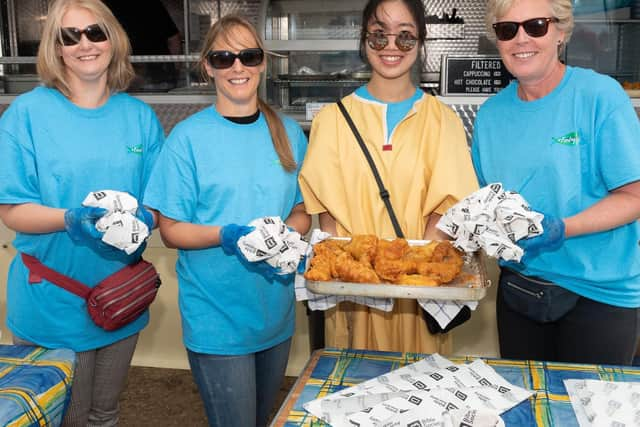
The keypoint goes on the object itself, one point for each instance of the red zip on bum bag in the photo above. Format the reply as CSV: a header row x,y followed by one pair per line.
x,y
114,302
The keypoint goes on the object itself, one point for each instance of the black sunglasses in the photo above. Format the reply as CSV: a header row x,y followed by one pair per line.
x,y
70,36
221,59
378,40
536,27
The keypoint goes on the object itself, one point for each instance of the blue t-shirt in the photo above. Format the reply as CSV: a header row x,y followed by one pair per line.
x,y
564,153
54,153
396,111
212,171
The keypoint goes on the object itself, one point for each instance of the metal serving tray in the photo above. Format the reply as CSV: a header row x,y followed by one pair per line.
x,y
471,284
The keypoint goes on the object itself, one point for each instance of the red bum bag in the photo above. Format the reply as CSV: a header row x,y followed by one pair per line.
x,y
114,302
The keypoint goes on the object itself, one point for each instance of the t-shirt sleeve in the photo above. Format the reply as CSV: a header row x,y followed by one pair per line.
x,y
301,149
475,153
172,187
154,141
453,177
19,172
618,144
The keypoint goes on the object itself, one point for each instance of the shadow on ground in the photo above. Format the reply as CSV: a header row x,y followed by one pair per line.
x,y
168,397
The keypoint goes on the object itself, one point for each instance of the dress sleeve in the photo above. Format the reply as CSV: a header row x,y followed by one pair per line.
x,y
320,176
453,177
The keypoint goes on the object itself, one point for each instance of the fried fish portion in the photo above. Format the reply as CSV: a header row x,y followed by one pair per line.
x,y
362,248
350,270
416,279
323,264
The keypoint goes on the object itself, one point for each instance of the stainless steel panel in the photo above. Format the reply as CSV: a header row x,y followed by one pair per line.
x,y
472,11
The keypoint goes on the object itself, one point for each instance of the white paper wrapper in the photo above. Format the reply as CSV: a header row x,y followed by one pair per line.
x,y
605,403
431,392
494,220
120,226
273,243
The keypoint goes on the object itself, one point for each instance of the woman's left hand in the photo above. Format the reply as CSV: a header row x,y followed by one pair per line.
x,y
552,237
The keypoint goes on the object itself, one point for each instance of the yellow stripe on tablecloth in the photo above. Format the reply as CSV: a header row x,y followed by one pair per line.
x,y
25,396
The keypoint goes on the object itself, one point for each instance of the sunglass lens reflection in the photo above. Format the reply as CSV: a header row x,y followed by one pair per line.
x,y
221,59
378,40
71,35
405,41
536,27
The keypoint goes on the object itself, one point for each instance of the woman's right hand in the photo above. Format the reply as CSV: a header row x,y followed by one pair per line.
x,y
229,236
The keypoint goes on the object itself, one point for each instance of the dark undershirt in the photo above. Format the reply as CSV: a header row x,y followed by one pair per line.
x,y
244,120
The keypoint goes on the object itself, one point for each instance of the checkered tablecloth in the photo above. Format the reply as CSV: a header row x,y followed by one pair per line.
x,y
331,370
35,385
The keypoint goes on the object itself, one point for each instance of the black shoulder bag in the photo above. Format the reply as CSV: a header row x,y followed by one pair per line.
x,y
432,324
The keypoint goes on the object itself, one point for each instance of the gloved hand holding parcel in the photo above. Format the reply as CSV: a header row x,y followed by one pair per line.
x,y
502,223
268,242
112,218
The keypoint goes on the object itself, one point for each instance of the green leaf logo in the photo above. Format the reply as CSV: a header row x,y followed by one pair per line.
x,y
135,149
569,139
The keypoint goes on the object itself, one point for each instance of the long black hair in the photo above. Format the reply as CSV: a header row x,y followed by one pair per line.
x,y
416,8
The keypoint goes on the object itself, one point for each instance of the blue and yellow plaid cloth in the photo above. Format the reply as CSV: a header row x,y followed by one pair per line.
x,y
331,370
35,385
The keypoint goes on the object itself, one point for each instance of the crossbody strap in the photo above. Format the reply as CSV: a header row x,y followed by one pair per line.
x,y
384,194
39,271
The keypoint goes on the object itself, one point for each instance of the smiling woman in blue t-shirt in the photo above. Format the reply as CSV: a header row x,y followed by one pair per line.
x,y
568,140
76,134
232,162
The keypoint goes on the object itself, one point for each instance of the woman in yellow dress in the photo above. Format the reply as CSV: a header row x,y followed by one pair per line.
x,y
419,147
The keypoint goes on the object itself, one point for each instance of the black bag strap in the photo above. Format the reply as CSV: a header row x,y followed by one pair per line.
x,y
384,194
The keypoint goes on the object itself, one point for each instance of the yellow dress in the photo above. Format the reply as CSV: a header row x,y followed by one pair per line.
x,y
427,169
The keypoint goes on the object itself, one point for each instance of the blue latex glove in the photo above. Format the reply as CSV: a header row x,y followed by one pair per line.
x,y
145,215
550,240
80,224
229,236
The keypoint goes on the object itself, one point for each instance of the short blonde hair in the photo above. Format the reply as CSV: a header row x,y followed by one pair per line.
x,y
562,10
51,67
224,29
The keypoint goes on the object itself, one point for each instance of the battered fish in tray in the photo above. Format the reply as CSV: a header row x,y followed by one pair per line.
x,y
368,266
367,259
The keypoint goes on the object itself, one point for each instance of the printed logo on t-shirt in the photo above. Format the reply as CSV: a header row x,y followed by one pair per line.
x,y
571,138
134,149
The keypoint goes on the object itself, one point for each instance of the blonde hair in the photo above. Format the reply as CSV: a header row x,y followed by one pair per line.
x,y
562,10
51,67
223,29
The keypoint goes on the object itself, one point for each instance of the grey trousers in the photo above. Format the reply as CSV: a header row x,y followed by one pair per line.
x,y
99,378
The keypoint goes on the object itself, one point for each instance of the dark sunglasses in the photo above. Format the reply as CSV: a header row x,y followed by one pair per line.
x,y
378,40
221,59
71,35
536,27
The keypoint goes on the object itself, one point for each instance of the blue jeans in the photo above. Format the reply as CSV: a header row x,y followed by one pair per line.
x,y
239,391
